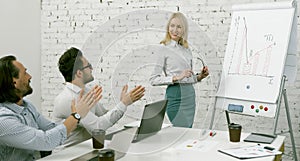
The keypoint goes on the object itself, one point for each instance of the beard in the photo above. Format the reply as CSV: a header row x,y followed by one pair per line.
x,y
28,91
87,78
24,92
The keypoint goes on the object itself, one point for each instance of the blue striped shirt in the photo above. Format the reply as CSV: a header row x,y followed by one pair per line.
x,y
23,130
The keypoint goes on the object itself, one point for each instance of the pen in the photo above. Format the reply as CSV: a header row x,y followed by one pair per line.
x,y
212,133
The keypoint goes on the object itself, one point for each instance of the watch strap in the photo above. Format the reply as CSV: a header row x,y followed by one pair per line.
x,y
76,116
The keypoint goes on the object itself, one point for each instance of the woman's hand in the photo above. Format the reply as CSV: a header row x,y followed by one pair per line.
x,y
204,73
185,74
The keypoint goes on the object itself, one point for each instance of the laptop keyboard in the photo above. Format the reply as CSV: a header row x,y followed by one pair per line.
x,y
110,135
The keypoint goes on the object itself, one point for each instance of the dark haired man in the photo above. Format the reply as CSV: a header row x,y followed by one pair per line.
x,y
77,72
22,128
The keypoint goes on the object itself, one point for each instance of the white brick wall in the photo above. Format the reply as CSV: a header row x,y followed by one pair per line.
x,y
91,25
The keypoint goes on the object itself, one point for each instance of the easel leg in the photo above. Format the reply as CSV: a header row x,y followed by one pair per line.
x,y
276,117
283,79
213,115
290,124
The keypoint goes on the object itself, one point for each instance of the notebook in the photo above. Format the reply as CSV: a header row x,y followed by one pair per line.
x,y
260,138
151,122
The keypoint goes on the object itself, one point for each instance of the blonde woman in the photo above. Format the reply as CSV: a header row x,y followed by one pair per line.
x,y
174,69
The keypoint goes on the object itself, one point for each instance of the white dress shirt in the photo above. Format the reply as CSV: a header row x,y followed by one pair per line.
x,y
97,118
172,60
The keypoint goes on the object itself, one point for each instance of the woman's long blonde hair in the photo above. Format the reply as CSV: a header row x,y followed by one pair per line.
x,y
183,40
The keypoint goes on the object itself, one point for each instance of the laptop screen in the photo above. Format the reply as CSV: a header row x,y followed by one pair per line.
x,y
151,122
152,119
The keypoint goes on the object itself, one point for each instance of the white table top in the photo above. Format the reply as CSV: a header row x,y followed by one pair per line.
x,y
164,146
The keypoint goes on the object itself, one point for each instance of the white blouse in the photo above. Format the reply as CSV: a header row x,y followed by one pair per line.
x,y
172,60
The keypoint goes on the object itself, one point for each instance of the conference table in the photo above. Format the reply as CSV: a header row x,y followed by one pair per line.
x,y
171,144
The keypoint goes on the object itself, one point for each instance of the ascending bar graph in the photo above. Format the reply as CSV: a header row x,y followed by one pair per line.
x,y
247,61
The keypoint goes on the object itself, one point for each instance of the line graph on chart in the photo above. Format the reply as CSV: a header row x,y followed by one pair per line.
x,y
247,59
256,54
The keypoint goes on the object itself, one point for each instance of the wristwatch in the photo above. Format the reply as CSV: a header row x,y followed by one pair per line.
x,y
76,116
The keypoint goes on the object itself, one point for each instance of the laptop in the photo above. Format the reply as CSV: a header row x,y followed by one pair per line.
x,y
151,122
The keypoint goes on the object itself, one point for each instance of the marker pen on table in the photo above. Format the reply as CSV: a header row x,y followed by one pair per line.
x,y
212,133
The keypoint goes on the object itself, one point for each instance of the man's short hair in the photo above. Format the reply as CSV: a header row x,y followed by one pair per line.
x,y
69,63
8,71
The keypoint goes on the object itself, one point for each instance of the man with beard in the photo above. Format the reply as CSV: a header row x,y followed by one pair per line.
x,y
23,130
77,72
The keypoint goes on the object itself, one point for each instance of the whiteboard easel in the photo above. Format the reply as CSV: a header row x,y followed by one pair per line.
x,y
261,48
256,89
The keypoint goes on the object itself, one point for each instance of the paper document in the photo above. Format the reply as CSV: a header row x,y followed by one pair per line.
x,y
250,152
197,145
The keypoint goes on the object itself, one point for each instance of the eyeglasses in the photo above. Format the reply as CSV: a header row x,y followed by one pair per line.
x,y
88,66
